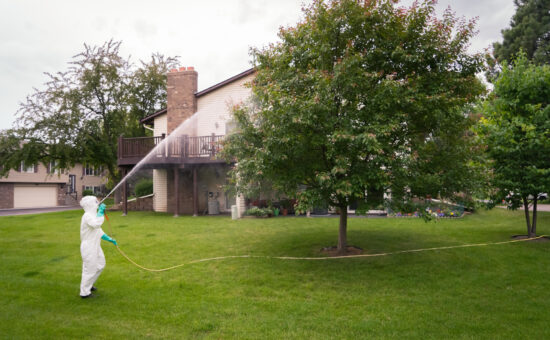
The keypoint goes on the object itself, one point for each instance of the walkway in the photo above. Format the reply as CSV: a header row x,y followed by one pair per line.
x,y
28,211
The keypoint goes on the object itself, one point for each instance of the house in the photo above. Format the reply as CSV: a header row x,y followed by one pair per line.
x,y
40,185
187,136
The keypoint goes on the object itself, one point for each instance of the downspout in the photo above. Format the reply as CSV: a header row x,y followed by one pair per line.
x,y
149,128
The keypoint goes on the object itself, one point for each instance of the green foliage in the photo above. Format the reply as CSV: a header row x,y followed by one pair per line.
x,y
428,209
81,112
87,192
286,203
516,129
109,202
259,212
529,31
356,98
144,187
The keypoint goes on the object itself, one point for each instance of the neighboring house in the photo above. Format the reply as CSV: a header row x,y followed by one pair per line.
x,y
187,167
38,185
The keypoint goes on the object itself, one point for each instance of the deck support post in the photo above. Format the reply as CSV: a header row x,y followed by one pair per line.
x,y
177,190
124,193
195,192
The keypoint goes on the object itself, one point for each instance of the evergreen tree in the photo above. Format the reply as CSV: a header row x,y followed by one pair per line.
x,y
529,31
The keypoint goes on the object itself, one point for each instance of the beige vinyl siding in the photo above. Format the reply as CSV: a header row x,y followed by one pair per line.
x,y
40,176
160,188
83,180
160,125
43,189
214,108
32,196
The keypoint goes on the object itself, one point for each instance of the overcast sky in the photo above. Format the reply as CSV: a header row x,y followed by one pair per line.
x,y
214,36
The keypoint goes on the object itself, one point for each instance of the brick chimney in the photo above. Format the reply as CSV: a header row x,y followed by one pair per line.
x,y
181,85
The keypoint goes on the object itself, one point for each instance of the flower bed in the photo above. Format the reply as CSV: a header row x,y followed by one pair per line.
x,y
437,213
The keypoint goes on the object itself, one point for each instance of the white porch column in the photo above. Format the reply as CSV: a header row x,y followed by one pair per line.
x,y
241,205
160,189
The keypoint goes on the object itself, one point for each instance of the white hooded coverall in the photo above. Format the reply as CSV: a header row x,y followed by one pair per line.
x,y
93,260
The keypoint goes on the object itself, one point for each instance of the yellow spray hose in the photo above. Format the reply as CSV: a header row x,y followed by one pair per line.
x,y
314,258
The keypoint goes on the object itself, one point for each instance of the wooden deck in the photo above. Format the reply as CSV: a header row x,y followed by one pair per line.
x,y
170,150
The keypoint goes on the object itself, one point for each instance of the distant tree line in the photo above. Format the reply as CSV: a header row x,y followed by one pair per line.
x,y
79,113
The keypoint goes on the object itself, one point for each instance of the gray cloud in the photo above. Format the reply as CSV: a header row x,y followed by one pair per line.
x,y
144,28
214,36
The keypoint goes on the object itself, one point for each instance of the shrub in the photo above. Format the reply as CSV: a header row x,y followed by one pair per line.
x,y
285,204
87,192
255,211
144,187
259,212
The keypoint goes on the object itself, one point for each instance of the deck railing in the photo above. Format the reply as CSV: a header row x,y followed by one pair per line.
x,y
175,147
137,147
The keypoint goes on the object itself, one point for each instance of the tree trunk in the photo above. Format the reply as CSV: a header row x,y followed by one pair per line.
x,y
534,224
342,233
527,218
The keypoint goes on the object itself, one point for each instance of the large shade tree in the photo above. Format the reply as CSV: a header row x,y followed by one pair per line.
x,y
359,97
529,31
516,128
79,114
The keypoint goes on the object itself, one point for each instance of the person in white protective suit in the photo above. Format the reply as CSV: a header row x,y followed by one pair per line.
x,y
91,234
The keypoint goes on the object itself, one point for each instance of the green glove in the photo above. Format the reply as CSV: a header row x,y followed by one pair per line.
x,y
101,210
107,238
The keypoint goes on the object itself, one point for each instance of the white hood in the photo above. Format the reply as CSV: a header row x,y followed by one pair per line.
x,y
89,204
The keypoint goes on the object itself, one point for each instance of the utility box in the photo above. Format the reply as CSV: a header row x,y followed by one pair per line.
x,y
234,212
213,207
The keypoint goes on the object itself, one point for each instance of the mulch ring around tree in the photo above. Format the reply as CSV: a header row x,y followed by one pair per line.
x,y
333,251
523,237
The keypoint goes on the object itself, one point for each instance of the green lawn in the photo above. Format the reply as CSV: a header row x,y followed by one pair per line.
x,y
499,291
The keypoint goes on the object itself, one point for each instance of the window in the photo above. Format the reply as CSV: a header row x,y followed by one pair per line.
x,y
95,189
29,169
90,170
53,168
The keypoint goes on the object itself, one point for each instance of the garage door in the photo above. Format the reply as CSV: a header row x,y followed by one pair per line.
x,y
31,196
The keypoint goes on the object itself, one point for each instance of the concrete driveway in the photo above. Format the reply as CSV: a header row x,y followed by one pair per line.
x,y
28,211
540,207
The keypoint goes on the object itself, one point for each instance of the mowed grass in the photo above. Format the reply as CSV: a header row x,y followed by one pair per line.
x,y
498,291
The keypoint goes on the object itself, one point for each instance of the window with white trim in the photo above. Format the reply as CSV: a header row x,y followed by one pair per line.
x,y
53,168
90,170
95,189
29,169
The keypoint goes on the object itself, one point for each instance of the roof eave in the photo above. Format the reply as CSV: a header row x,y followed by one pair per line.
x,y
225,82
152,116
